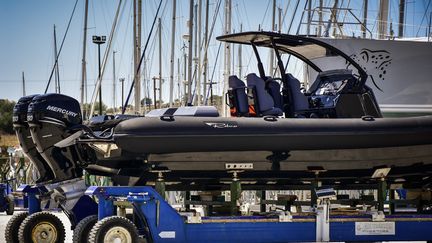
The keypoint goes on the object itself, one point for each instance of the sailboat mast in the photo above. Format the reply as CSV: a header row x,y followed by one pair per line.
x,y
160,62
154,92
114,83
320,17
430,24
227,56
145,87
178,80
382,18
277,69
335,16
189,80
205,52
240,56
195,43
135,61
171,81
198,96
23,85
365,14
185,69
401,18
57,73
309,16
137,52
271,63
83,62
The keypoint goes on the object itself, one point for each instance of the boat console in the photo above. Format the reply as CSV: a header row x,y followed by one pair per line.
x,y
342,93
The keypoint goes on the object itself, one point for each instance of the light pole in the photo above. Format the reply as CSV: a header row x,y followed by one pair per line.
x,y
99,40
122,91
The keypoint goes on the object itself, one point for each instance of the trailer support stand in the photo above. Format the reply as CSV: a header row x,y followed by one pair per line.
x,y
323,221
34,204
392,205
187,198
263,198
160,183
105,207
235,193
382,193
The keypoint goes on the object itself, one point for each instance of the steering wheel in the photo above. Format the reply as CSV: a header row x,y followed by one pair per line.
x,y
273,79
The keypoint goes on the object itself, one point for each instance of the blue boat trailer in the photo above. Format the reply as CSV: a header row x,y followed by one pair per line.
x,y
155,220
38,223
6,199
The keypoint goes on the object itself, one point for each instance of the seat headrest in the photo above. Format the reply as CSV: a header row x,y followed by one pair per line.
x,y
253,79
234,82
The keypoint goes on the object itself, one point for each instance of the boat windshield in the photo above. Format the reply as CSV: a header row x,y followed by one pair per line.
x,y
332,88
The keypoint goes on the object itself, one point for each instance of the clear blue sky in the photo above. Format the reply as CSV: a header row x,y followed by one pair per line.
x,y
26,38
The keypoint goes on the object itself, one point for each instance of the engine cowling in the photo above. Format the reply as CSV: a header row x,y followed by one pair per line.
x,y
50,118
22,132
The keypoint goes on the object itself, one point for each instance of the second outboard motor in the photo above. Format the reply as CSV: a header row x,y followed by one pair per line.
x,y
24,137
50,117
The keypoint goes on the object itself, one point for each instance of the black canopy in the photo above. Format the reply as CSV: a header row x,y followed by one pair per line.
x,y
304,48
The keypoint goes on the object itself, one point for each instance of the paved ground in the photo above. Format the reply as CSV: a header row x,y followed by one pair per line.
x,y
5,218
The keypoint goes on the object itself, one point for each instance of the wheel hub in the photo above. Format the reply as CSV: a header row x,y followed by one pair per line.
x,y
118,235
44,232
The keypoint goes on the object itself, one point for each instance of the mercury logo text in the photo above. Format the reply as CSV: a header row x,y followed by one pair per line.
x,y
61,110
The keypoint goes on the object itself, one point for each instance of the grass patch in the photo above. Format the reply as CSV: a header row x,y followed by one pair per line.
x,y
8,140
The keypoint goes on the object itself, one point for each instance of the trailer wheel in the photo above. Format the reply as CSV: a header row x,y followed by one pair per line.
x,y
114,229
11,205
82,229
12,227
42,227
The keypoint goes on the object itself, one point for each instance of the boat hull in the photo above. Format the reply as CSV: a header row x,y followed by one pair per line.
x,y
300,160
196,134
204,148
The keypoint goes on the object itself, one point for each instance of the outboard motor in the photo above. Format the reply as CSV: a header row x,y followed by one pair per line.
x,y
24,137
50,118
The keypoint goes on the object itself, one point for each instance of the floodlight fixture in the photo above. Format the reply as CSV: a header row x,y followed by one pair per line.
x,y
99,39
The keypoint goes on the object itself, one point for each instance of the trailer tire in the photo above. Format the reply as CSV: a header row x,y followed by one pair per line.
x,y
112,228
42,227
11,205
82,229
12,227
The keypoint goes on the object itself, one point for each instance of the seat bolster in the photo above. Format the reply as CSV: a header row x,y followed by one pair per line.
x,y
299,99
273,112
265,101
238,90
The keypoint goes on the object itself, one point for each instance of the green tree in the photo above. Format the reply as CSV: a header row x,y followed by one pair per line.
x,y
148,101
6,110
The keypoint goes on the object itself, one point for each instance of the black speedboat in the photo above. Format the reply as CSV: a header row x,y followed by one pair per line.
x,y
276,131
